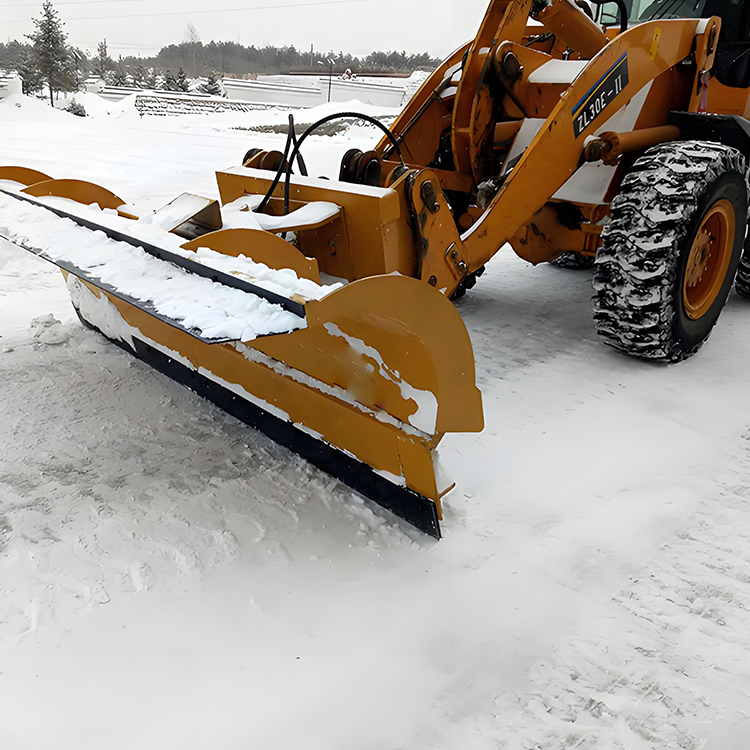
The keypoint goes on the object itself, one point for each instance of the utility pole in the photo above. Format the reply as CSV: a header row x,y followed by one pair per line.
x,y
76,55
330,74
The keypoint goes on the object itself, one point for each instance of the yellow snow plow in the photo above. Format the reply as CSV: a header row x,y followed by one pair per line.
x,y
361,378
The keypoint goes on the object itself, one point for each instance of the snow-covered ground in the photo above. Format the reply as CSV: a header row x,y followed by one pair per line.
x,y
171,579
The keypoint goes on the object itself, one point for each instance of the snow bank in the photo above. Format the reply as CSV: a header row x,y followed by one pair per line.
x,y
96,106
25,108
125,109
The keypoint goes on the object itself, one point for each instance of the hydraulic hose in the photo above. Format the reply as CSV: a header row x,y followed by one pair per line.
x,y
323,121
290,137
297,144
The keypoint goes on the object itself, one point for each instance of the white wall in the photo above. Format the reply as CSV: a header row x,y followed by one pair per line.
x,y
290,91
367,93
272,93
309,91
9,85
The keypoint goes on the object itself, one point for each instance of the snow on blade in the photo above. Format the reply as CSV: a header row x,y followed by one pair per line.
x,y
151,228
240,214
214,310
425,417
280,280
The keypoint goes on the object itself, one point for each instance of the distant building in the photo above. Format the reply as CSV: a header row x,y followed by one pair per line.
x,y
10,83
94,84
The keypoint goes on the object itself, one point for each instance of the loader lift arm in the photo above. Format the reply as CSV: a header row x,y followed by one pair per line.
x,y
503,82
624,67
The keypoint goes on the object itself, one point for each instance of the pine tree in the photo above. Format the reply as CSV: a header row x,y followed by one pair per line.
x,y
117,77
139,76
24,64
182,82
68,79
49,53
102,63
170,84
149,82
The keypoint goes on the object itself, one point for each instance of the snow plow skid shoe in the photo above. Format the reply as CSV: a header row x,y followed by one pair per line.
x,y
362,379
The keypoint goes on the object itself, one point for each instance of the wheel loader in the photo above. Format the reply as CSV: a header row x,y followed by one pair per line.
x,y
320,311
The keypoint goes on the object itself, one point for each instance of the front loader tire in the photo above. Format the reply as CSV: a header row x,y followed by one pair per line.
x,y
467,283
671,250
742,282
573,261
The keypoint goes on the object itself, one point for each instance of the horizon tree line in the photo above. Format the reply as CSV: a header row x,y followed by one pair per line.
x,y
47,63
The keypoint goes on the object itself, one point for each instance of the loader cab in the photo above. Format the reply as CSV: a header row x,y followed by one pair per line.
x,y
732,66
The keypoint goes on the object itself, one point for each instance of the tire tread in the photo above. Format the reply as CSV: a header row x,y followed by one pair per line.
x,y
637,265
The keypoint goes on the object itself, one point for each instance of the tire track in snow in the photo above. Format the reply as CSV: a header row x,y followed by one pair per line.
x,y
667,660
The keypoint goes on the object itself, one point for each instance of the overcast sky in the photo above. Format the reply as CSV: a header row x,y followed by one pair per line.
x,y
142,27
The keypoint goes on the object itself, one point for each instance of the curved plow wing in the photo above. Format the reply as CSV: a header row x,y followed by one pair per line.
x,y
23,175
262,247
365,392
76,190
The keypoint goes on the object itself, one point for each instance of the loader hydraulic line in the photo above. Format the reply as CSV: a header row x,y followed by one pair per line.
x,y
291,138
608,147
285,165
297,144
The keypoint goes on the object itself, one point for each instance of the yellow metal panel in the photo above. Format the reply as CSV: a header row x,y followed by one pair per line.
x,y
555,151
370,238
414,333
24,175
260,246
76,190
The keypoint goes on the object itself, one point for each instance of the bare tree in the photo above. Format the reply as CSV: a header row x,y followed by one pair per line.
x,y
102,63
191,35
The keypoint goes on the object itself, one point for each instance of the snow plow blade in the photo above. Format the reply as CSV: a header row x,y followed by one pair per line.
x,y
361,379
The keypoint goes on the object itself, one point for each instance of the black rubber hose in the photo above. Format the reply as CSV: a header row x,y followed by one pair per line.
x,y
621,8
290,138
300,160
323,121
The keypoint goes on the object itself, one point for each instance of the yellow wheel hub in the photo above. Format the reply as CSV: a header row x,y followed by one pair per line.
x,y
709,259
